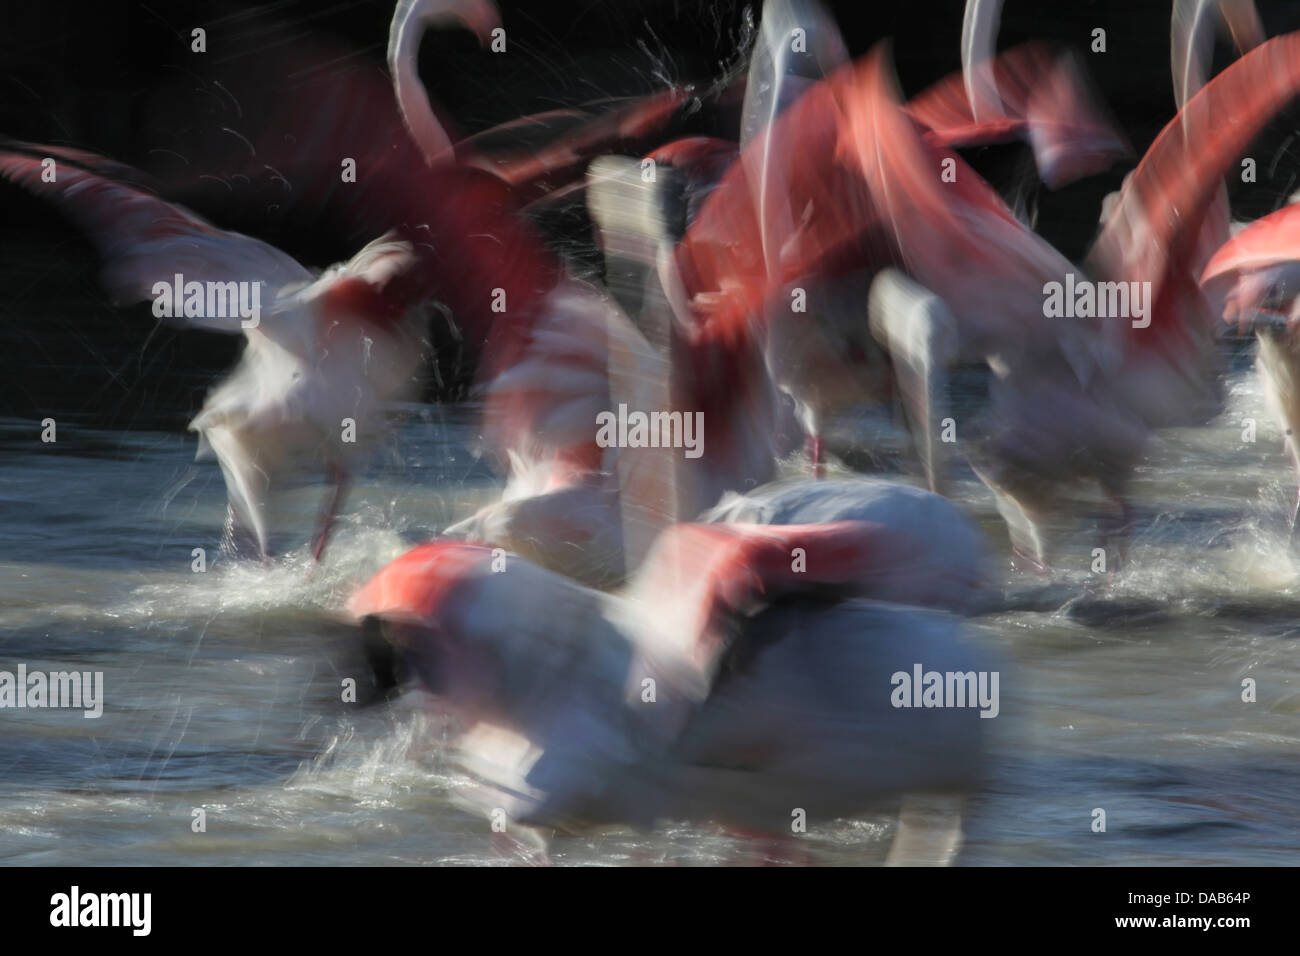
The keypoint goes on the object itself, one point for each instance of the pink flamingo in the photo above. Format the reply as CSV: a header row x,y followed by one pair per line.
x,y
310,388
722,250
1260,268
946,567
321,359
328,352
568,503
792,214
1112,383
562,506
532,170
714,691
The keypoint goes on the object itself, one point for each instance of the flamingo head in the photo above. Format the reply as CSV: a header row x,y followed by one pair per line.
x,y
1260,298
483,629
413,610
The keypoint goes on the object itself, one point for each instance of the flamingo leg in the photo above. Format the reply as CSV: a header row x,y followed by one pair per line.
x,y
817,455
1025,559
339,479
1028,549
918,331
929,830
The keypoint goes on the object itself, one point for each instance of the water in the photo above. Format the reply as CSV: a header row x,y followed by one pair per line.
x,y
223,687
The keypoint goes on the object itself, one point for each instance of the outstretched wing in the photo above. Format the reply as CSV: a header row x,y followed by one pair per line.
x,y
1038,95
562,160
1268,241
142,239
954,233
1152,234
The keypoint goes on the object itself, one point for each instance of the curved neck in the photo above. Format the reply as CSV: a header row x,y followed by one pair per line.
x,y
410,21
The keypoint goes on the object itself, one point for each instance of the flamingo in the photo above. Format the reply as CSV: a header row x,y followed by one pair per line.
x,y
561,506
726,685
700,190
946,567
592,512
410,20
532,171
327,349
793,215
1031,93
1111,383
805,350
1028,93
308,392
1260,268
696,316
332,350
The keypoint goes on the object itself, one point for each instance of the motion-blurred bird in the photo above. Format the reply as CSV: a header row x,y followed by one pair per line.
x,y
732,684
323,355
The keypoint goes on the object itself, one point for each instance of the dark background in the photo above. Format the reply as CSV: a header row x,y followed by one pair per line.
x,y
119,78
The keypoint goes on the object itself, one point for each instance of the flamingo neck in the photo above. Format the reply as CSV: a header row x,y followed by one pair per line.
x,y
409,24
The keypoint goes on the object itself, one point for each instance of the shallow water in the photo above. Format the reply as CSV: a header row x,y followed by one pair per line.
x,y
223,687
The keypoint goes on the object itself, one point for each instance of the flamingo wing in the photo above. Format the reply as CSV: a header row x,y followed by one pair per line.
x,y
954,233
1153,233
628,128
721,259
1258,269
1038,95
698,577
781,68
413,586
1266,242
144,240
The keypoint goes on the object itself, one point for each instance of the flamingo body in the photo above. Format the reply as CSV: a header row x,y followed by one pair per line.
x,y
726,733
946,570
